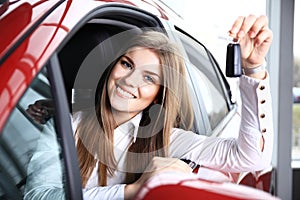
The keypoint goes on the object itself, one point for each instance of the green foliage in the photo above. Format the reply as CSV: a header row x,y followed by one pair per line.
x,y
296,72
296,113
296,124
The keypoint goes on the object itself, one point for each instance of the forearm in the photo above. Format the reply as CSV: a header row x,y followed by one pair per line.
x,y
253,148
261,75
257,116
115,192
130,191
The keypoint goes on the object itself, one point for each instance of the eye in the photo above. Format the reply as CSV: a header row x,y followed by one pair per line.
x,y
126,64
149,79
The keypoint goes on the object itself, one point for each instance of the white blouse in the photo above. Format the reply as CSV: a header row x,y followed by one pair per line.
x,y
225,154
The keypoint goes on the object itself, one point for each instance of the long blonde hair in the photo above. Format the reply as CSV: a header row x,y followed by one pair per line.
x,y
173,109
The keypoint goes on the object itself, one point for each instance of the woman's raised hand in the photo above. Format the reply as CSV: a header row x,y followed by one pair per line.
x,y
255,39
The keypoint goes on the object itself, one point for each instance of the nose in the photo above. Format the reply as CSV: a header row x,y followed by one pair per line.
x,y
133,78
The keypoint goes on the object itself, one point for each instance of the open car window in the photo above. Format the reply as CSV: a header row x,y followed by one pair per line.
x,y
30,152
206,84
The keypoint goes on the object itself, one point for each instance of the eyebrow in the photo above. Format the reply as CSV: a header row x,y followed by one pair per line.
x,y
129,59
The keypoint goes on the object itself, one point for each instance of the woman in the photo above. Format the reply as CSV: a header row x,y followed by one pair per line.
x,y
142,116
140,87
148,77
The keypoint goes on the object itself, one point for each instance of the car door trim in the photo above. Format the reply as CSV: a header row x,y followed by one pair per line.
x,y
64,130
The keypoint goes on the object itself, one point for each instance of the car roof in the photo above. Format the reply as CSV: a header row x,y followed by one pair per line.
x,y
18,17
33,31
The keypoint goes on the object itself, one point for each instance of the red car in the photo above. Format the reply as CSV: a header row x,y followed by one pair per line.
x,y
44,46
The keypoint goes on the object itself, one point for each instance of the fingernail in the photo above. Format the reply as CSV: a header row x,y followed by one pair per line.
x,y
234,30
252,34
241,33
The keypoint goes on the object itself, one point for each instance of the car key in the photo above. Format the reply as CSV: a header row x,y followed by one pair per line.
x,y
233,60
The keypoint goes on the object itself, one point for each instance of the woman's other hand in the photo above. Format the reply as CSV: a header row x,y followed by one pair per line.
x,y
156,166
41,111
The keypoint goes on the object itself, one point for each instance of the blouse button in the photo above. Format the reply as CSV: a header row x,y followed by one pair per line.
x,y
264,130
262,101
262,116
262,87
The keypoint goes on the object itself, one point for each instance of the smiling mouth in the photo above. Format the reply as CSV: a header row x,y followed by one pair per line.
x,y
125,93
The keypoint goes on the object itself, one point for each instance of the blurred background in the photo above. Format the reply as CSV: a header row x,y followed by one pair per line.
x,y
212,20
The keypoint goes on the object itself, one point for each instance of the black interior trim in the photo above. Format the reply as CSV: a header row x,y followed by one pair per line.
x,y
64,130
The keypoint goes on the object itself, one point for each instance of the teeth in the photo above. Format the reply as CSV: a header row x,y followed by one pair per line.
x,y
124,93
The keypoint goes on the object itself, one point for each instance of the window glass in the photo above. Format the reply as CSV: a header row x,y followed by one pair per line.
x,y
296,87
205,81
30,157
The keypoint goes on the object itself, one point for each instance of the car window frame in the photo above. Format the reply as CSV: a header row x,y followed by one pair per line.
x,y
231,106
64,129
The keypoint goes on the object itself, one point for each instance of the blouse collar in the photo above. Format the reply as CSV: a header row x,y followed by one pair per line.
x,y
132,126
136,123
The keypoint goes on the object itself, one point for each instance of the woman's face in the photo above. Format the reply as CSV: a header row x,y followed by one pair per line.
x,y
134,81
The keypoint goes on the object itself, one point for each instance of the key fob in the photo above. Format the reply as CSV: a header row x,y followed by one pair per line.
x,y
233,60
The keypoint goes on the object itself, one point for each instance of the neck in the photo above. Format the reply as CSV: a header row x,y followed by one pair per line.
x,y
122,117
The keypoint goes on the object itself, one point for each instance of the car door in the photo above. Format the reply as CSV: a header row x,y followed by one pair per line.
x,y
38,160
